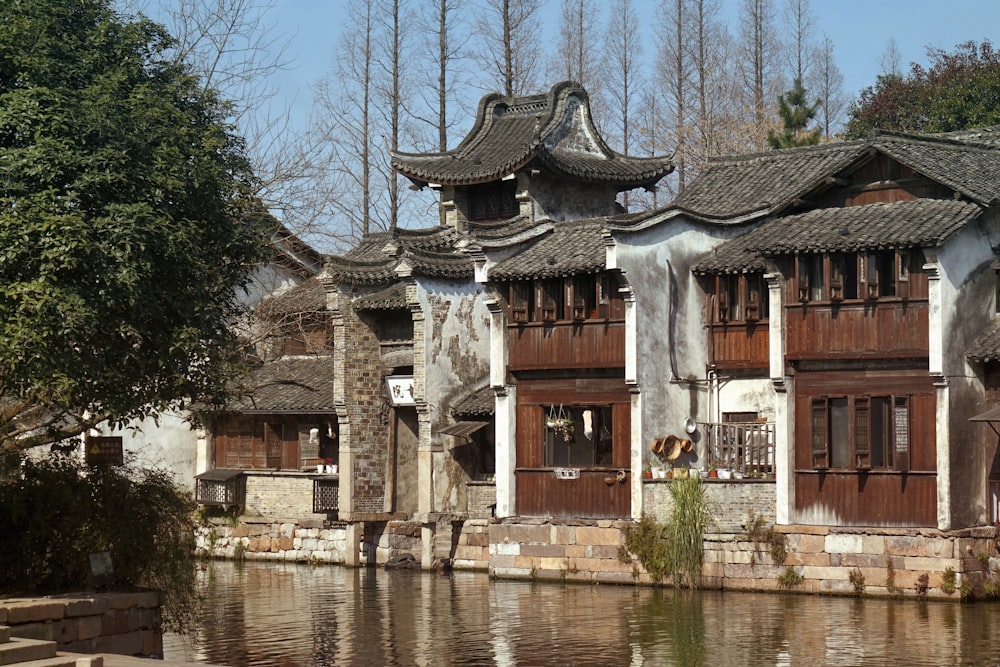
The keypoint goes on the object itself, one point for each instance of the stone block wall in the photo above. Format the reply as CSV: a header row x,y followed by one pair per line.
x,y
280,494
856,561
305,540
122,623
733,502
472,551
582,551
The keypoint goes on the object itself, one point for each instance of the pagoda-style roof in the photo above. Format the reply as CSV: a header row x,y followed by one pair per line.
x,y
551,131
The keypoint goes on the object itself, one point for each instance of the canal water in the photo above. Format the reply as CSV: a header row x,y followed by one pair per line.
x,y
292,614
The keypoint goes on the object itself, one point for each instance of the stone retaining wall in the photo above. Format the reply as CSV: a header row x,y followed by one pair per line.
x,y
122,623
301,540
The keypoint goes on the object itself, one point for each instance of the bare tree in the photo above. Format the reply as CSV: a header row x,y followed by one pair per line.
x,y
759,58
623,49
674,76
828,83
576,54
509,49
891,59
799,22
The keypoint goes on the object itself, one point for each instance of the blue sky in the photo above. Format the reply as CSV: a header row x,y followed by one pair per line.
x,y
860,30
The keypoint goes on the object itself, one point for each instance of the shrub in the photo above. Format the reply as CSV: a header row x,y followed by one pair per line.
x,y
55,511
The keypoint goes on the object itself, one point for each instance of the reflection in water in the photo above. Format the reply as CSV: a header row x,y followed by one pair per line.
x,y
287,614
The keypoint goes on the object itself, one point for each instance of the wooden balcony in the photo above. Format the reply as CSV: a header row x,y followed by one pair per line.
x,y
887,328
566,344
746,448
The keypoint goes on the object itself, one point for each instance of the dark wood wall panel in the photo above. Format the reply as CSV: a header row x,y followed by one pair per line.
x,y
566,345
824,331
539,493
740,345
873,499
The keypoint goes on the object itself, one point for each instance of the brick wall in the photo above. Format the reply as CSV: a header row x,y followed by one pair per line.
x,y
482,499
358,393
733,502
280,494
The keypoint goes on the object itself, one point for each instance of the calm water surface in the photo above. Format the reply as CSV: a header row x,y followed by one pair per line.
x,y
288,614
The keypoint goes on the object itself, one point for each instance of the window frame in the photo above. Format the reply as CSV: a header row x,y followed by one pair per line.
x,y
870,448
601,441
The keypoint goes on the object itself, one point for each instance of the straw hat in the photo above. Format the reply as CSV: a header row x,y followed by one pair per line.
x,y
672,445
657,446
687,445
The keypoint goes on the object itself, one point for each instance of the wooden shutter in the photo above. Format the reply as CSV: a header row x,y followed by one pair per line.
x,y
862,432
820,433
901,432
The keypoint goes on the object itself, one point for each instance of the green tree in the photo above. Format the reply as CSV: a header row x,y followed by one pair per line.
x,y
960,90
796,113
126,230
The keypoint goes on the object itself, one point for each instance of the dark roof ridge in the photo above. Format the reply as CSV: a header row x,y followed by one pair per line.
x,y
785,153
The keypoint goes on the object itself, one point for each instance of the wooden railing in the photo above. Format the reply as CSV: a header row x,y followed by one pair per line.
x,y
746,448
326,495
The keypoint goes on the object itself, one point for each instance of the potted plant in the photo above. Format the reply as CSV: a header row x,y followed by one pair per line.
x,y
647,470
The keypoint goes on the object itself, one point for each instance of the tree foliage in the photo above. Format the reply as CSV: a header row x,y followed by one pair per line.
x,y
126,228
55,512
958,91
796,113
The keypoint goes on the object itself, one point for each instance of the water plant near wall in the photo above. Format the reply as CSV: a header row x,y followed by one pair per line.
x,y
760,534
790,578
647,541
948,581
857,579
923,585
690,517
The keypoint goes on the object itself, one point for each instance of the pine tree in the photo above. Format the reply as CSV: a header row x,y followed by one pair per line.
x,y
796,113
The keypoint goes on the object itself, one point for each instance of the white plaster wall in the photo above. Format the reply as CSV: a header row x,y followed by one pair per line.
x,y
171,444
967,284
671,358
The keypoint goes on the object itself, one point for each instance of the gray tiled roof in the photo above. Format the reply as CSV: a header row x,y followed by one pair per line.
x,y
374,261
511,132
307,296
766,183
921,222
567,248
392,297
986,348
290,384
480,402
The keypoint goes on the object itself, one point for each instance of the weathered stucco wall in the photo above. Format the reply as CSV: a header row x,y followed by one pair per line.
x,y
456,343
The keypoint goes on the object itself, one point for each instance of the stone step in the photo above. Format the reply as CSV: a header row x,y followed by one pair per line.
x,y
19,650
67,660
4,634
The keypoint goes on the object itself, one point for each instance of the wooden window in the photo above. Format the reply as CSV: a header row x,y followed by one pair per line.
x,y
803,275
577,435
862,437
604,296
522,302
493,201
819,436
862,432
838,267
903,274
584,297
273,437
757,299
551,297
